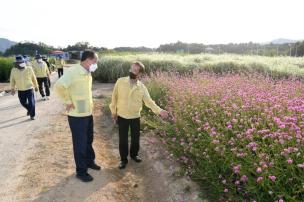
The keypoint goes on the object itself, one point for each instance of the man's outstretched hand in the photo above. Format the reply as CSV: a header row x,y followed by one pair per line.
x,y
164,114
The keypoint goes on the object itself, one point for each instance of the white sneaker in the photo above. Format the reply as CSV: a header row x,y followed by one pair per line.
x,y
43,98
47,97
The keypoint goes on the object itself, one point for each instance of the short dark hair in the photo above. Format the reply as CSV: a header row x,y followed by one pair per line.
x,y
87,54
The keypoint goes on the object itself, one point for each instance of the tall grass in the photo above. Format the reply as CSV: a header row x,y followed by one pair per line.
x,y
6,64
113,66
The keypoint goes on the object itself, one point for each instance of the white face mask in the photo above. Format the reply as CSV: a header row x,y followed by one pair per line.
x,y
93,67
22,65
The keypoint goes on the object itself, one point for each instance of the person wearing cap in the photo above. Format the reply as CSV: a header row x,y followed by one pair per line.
x,y
45,59
27,61
74,88
59,65
43,75
128,95
23,78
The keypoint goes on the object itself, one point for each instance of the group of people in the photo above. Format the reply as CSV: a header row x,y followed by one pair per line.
x,y
74,88
27,77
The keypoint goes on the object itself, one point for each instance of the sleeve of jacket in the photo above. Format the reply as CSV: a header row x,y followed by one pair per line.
x,y
48,71
149,102
113,105
12,79
61,88
34,79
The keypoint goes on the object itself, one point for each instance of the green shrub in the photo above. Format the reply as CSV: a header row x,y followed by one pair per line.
x,y
6,64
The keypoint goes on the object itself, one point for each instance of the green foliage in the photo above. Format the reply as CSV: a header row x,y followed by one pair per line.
x,y
298,49
28,48
6,64
81,46
241,48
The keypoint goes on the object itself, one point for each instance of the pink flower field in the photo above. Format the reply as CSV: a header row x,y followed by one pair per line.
x,y
240,136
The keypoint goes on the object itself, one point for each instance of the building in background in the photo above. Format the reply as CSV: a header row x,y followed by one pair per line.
x,y
61,54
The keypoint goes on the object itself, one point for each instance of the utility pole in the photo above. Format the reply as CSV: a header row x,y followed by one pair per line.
x,y
188,47
296,53
277,50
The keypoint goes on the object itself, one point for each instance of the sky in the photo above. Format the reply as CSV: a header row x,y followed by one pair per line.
x,y
117,23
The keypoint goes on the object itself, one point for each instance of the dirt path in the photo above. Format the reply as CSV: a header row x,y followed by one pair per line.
x,y
42,165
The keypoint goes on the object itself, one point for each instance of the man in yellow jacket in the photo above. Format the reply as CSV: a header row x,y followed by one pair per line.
x,y
24,79
59,62
74,88
43,74
128,95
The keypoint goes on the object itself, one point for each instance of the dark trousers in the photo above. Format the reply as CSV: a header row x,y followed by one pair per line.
x,y
82,136
27,100
43,84
124,125
49,82
60,72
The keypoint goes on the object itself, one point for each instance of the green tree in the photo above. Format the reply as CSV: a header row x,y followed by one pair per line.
x,y
81,46
28,48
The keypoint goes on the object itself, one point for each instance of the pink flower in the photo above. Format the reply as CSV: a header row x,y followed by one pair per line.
x,y
272,178
226,190
289,161
260,179
244,178
236,169
301,165
259,170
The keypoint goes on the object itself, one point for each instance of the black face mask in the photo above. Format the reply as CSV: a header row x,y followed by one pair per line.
x,y
132,75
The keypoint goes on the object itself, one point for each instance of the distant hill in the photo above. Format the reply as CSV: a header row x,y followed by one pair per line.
x,y
283,41
5,44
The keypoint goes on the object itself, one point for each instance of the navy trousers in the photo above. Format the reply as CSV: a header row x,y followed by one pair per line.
x,y
82,136
27,100
43,82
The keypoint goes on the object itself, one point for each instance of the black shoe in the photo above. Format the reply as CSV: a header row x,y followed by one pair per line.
x,y
123,165
32,118
28,113
85,178
137,159
94,166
